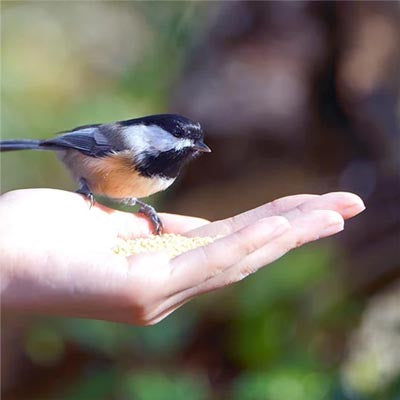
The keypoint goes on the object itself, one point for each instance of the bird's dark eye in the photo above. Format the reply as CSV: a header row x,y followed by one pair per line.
x,y
178,132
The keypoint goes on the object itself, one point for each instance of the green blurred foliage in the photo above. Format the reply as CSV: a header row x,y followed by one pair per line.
x,y
269,305
151,385
97,385
284,383
70,63
44,345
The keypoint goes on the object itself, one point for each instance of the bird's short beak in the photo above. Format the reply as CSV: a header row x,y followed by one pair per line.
x,y
201,146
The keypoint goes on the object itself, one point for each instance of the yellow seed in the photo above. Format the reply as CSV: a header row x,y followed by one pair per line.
x,y
169,243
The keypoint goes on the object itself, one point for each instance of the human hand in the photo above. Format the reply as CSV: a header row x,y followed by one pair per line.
x,y
56,255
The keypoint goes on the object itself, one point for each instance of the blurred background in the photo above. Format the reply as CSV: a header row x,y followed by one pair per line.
x,y
294,97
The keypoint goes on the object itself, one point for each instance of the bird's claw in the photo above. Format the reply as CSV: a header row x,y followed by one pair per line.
x,y
85,190
151,213
90,196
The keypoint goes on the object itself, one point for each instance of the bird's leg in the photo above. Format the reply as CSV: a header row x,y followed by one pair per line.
x,y
85,190
150,212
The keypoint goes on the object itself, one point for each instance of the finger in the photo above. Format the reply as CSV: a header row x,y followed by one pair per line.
x,y
313,220
179,224
310,227
229,225
196,266
308,222
346,204
131,225
306,228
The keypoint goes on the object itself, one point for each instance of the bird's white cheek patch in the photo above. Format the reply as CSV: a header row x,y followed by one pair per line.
x,y
143,138
182,143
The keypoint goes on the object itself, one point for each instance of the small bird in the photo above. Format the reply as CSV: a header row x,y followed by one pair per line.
x,y
125,160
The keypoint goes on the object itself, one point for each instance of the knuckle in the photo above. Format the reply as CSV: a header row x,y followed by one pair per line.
x,y
298,242
274,206
205,259
239,275
245,272
242,241
235,221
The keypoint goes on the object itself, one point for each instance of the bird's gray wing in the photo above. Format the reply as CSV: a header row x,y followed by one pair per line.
x,y
91,140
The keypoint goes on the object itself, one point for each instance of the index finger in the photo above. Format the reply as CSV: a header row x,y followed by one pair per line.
x,y
232,224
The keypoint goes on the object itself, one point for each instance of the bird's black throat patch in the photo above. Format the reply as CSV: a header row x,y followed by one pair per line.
x,y
166,164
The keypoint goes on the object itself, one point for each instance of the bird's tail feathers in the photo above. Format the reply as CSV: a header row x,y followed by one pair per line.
x,y
23,144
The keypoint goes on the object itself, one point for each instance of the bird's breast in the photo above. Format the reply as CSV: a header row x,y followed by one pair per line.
x,y
115,176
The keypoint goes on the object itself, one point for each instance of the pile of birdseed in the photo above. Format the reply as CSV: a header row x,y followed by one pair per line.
x,y
172,244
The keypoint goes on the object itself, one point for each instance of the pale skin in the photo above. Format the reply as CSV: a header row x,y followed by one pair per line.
x,y
56,254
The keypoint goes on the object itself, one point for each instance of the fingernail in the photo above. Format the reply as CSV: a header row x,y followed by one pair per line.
x,y
355,208
355,205
332,229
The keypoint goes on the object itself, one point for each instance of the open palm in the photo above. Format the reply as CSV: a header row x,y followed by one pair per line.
x,y
56,253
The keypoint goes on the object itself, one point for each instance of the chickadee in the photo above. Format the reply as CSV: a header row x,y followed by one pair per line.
x,y
125,160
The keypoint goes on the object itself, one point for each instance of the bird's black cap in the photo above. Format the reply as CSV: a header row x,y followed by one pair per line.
x,y
177,125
